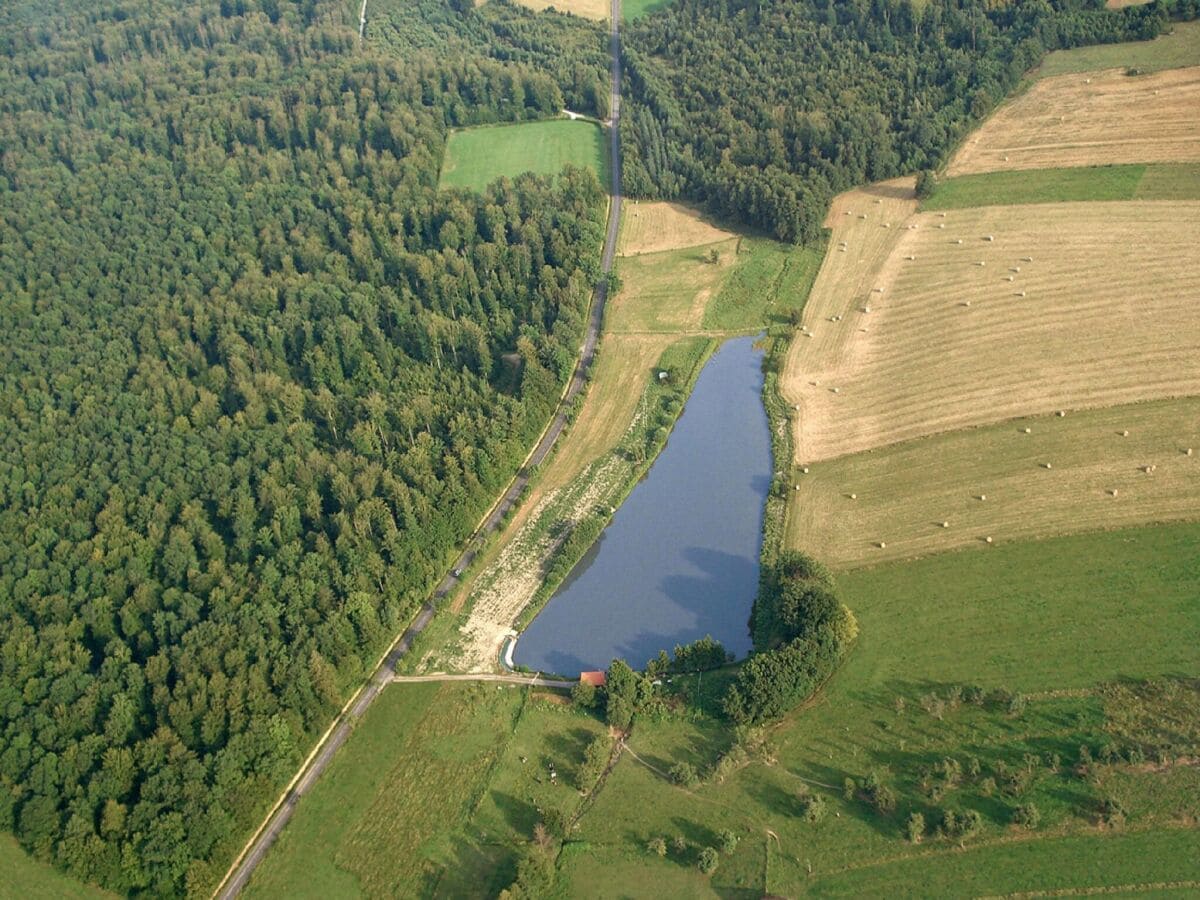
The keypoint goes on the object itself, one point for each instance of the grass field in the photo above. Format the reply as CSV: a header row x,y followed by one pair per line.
x,y
902,493
1123,182
22,876
1107,117
1051,618
635,9
668,292
1169,51
1108,317
389,818
475,157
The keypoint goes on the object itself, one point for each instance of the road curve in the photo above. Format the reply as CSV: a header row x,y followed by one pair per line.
x,y
243,867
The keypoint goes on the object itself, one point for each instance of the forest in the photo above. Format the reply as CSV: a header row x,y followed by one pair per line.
x,y
259,379
762,110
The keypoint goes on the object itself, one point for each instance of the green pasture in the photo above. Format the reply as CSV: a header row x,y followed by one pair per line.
x,y
1068,185
475,157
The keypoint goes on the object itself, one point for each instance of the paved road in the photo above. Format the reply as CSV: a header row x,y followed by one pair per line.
x,y
239,874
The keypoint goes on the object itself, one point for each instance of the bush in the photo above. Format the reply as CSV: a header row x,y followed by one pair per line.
x,y
1027,816
1113,812
657,846
728,840
708,860
595,758
680,844
926,182
813,808
583,695
684,774
914,828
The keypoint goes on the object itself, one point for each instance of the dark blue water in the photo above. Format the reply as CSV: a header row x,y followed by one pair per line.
x,y
680,558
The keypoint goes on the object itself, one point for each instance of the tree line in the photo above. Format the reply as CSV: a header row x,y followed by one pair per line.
x,y
259,379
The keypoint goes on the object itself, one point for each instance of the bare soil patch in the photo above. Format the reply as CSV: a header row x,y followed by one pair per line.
x,y
596,10
1089,119
1103,308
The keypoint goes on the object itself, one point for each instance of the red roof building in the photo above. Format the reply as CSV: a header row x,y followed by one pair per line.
x,y
595,679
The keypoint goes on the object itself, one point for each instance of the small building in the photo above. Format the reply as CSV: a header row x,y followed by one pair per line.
x,y
595,679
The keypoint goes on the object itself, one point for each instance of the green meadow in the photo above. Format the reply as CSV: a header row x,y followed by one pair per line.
x,y
475,157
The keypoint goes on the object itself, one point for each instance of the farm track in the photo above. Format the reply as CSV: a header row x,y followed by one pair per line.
x,y
335,736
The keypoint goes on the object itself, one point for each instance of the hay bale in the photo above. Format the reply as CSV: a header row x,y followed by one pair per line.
x,y
1113,491
1010,278
805,470
1125,433
988,237
1026,259
988,539
1061,413
1187,452
1028,430
981,263
882,545
983,496
945,524
942,225
854,496
1047,466
1020,293
958,240
835,390
942,215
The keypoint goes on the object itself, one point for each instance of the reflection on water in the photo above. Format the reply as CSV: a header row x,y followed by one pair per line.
x,y
680,558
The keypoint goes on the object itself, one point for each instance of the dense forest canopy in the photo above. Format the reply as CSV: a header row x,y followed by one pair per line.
x,y
258,378
764,109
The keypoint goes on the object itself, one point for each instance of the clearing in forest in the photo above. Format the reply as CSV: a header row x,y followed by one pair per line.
x,y
1079,473
475,157
1081,120
596,10
980,315
657,226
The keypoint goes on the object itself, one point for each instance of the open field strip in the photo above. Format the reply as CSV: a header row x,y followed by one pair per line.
x,y
1035,616
1130,181
1102,311
904,492
475,157
1102,118
1178,47
23,876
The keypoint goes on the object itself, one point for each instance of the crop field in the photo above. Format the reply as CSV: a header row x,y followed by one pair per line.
x,y
901,495
658,226
1100,310
1178,48
1102,118
475,157
1054,619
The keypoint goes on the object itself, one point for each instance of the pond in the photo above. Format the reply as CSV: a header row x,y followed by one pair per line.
x,y
679,560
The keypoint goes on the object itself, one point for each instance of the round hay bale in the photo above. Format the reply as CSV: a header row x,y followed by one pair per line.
x,y
1113,492
945,524
983,496
854,496
988,539
1028,430
1047,466
1187,452
1061,413
805,470
882,545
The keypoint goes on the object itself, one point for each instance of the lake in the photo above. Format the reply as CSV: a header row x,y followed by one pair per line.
x,y
679,559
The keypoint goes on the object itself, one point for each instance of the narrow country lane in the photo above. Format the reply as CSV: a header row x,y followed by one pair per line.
x,y
252,854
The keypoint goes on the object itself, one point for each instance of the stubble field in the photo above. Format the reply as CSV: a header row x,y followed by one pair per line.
x,y
1090,119
1102,311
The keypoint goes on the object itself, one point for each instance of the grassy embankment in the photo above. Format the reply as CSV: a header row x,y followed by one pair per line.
x,y
475,157
22,876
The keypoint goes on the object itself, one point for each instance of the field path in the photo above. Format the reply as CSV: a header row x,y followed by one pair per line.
x,y
260,843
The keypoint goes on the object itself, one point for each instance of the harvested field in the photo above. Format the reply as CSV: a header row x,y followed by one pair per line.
x,y
1109,315
1102,118
905,492
587,9
654,227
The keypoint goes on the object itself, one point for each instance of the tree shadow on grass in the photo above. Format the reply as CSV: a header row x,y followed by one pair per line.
x,y
521,815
